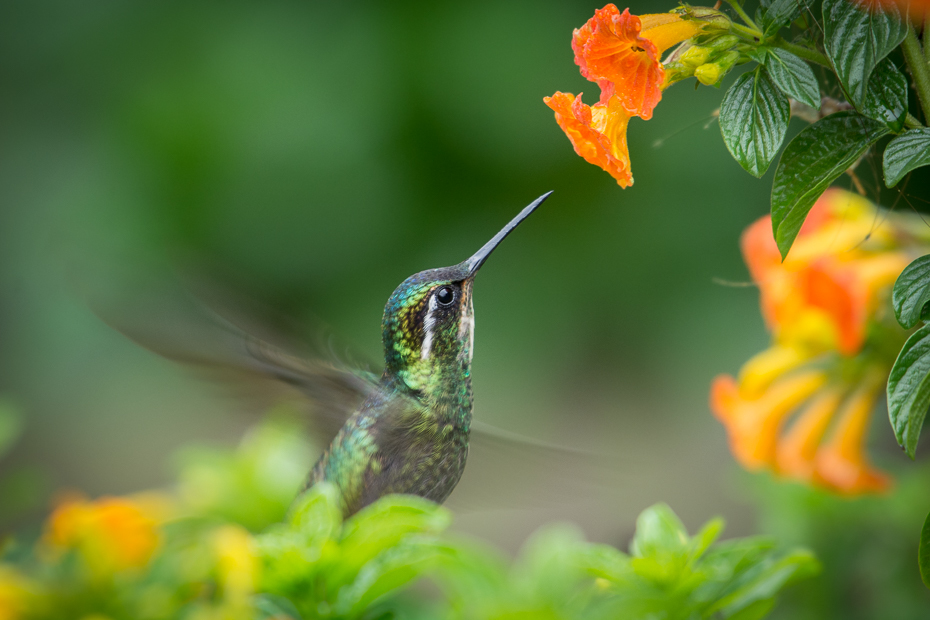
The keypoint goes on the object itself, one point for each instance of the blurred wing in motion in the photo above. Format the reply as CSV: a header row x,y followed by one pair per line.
x,y
177,325
511,470
505,469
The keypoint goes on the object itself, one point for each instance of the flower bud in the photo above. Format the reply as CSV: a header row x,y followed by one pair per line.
x,y
709,18
677,71
696,55
723,42
708,74
711,73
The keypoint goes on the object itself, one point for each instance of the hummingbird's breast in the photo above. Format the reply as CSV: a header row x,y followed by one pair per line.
x,y
399,443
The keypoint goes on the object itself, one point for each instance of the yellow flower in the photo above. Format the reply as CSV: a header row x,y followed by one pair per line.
x,y
111,534
754,424
236,563
802,407
14,594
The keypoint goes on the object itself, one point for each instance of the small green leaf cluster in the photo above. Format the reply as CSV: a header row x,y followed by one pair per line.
x,y
314,568
317,566
271,461
393,559
756,109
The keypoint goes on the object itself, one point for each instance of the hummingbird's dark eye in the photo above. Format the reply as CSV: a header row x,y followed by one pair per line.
x,y
445,295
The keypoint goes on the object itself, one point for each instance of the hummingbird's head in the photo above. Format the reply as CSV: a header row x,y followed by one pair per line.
x,y
428,325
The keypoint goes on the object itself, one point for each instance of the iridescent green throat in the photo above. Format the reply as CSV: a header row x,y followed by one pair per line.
x,y
428,347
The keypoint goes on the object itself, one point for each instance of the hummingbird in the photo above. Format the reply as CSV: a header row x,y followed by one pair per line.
x,y
410,435
406,431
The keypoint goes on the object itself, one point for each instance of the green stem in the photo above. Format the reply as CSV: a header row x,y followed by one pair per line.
x,y
742,15
923,36
754,36
804,52
919,70
911,122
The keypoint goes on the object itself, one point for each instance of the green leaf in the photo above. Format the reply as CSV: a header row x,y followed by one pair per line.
x,y
777,13
605,561
317,514
757,54
912,292
763,580
658,530
811,162
923,553
754,611
886,100
390,571
383,525
793,76
857,39
753,120
705,538
908,151
909,389
273,607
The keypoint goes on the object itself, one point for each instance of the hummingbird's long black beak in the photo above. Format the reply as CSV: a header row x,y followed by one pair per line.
x,y
474,263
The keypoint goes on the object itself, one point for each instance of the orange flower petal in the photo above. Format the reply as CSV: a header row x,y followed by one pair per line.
x,y
842,464
760,250
110,533
753,425
836,291
795,454
609,47
598,133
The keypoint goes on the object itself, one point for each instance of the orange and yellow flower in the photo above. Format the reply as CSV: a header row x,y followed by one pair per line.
x,y
598,133
111,534
801,408
621,53
15,593
236,563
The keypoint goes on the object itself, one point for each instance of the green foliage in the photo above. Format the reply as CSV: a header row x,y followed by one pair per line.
x,y
911,292
908,151
867,546
754,113
351,570
909,389
779,13
753,120
268,468
886,100
856,40
793,76
811,162
909,382
324,567
314,565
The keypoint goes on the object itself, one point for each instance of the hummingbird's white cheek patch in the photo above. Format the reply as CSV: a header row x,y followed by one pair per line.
x,y
428,323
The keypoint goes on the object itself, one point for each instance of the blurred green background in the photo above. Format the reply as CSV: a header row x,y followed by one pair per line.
x,y
310,156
